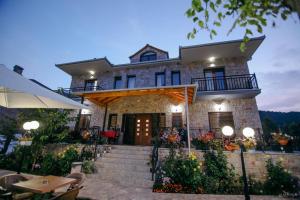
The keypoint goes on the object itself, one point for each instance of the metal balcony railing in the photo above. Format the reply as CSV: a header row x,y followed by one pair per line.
x,y
69,92
235,82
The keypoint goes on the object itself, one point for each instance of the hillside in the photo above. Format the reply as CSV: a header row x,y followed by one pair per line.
x,y
281,118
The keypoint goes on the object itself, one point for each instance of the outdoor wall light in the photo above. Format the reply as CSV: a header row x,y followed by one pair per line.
x,y
248,132
227,131
219,107
176,109
212,65
211,59
92,72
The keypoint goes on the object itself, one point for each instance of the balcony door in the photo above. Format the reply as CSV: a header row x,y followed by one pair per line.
x,y
143,129
91,85
215,79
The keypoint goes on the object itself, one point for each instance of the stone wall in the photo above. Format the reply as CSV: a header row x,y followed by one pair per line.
x,y
255,162
245,113
161,55
145,74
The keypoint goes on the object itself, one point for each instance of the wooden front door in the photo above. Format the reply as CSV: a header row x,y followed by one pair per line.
x,y
143,129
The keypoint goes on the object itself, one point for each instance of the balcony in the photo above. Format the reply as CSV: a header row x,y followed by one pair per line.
x,y
236,86
69,92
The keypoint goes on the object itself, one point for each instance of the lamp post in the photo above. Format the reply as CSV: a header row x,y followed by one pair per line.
x,y
228,131
25,141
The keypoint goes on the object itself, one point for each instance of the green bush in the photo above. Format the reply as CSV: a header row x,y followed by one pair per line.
x,y
219,177
89,167
87,153
50,165
280,181
184,171
66,159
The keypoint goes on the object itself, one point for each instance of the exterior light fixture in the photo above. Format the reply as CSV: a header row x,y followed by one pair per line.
x,y
227,131
211,59
176,109
212,65
31,125
219,107
248,132
92,72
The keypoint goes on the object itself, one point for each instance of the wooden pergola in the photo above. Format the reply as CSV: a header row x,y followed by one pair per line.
x,y
179,93
104,97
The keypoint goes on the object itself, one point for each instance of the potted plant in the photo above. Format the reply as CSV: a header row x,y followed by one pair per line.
x,y
249,144
281,138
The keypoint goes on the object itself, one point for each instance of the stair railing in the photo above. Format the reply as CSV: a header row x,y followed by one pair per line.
x,y
154,158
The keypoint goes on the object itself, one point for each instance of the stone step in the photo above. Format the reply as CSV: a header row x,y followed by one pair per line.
x,y
124,161
124,166
137,148
127,156
131,151
117,174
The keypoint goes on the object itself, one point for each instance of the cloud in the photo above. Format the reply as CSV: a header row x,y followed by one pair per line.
x,y
286,57
280,91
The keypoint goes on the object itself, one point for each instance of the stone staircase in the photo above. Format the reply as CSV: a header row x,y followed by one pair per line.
x,y
126,166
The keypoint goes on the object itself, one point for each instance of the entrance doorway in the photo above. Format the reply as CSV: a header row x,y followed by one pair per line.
x,y
140,128
143,129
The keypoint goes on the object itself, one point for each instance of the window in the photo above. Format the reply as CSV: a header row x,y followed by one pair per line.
x,y
90,85
118,82
148,56
160,79
112,122
215,79
176,78
84,121
131,81
217,120
177,120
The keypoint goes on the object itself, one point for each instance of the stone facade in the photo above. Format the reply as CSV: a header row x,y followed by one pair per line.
x,y
243,108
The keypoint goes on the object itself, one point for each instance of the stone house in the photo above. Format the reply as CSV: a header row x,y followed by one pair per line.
x,y
206,87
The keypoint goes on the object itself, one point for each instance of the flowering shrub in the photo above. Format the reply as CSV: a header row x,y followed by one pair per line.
x,y
181,173
280,181
249,143
203,142
170,137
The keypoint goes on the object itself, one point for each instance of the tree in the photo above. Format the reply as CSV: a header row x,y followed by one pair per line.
x,y
8,128
210,14
268,127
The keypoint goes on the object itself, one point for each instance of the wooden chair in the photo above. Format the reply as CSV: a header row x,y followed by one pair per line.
x,y
7,182
79,179
68,195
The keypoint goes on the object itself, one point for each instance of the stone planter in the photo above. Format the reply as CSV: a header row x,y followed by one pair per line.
x,y
76,167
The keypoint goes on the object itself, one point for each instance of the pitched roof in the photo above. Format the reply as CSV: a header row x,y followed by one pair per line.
x,y
148,45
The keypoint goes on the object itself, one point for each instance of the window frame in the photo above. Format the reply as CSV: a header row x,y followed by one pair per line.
x,y
160,73
110,118
181,119
142,56
117,78
95,81
131,76
175,72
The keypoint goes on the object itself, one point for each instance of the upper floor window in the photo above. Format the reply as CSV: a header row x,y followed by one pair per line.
x,y
176,78
118,82
90,85
147,56
131,81
160,79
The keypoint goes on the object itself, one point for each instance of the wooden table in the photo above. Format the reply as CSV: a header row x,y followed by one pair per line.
x,y
44,184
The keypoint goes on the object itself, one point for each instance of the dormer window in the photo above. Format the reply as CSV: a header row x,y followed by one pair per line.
x,y
148,56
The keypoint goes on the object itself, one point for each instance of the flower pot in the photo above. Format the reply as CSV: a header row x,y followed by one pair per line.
x,y
283,142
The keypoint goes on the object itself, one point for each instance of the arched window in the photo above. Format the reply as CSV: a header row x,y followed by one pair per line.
x,y
147,56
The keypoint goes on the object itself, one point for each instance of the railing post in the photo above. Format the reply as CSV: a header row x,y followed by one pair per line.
x,y
254,75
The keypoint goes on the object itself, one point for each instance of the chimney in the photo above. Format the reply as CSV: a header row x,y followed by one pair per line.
x,y
18,69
